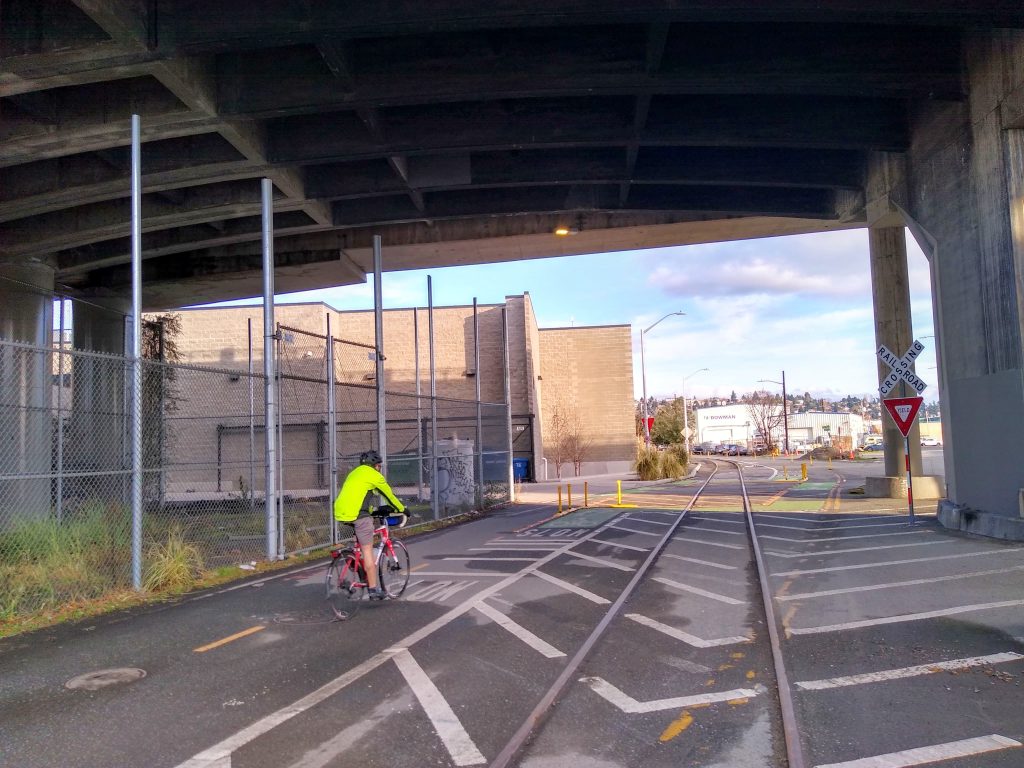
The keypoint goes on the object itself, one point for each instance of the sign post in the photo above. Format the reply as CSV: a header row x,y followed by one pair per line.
x,y
903,410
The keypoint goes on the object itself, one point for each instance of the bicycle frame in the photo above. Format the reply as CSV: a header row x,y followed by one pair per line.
x,y
356,560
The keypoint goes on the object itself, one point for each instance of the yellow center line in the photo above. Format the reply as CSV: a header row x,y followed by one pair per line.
x,y
226,640
676,727
419,567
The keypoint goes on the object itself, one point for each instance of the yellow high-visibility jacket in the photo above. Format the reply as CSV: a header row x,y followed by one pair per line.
x,y
359,482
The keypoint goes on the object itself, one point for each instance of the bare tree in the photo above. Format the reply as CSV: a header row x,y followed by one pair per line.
x,y
577,444
765,411
556,433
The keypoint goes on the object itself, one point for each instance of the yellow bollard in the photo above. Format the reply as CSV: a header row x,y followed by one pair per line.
x,y
569,487
803,471
559,498
830,462
785,473
586,497
618,499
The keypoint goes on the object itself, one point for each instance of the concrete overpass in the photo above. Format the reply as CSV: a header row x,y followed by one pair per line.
x,y
465,132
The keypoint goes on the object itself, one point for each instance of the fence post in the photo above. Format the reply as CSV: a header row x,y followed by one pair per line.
x,y
378,324
60,417
269,372
419,407
252,423
434,495
332,435
136,356
508,401
279,436
479,410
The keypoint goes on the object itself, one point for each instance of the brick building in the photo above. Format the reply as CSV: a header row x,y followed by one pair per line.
x,y
582,372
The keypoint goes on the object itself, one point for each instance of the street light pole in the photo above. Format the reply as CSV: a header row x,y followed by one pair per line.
x,y
686,415
785,414
643,375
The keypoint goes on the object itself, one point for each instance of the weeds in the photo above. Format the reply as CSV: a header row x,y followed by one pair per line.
x,y
172,566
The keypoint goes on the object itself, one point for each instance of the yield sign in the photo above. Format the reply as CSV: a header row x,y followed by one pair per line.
x,y
903,411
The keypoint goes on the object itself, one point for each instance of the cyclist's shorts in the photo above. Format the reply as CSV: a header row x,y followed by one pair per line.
x,y
364,529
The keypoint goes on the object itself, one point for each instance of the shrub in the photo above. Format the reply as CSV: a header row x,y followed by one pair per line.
x,y
648,465
671,466
679,451
173,565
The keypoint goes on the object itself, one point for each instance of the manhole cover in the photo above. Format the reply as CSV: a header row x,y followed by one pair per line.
x,y
93,681
304,619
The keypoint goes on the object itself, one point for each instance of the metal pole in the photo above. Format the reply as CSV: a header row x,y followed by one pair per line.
x,y
60,417
785,415
136,352
479,410
643,378
910,478
270,383
686,422
434,500
378,319
279,435
419,407
332,435
508,402
252,423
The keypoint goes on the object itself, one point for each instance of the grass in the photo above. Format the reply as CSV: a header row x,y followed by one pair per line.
x,y
652,464
173,565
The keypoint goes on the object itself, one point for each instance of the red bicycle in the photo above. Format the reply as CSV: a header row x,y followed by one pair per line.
x,y
346,577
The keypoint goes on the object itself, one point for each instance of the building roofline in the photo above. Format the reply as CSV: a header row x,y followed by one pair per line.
x,y
585,327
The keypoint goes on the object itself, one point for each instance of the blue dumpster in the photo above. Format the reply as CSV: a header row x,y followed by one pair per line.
x,y
520,468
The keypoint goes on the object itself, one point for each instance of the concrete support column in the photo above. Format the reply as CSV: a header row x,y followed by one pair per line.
x,y
26,422
97,436
890,288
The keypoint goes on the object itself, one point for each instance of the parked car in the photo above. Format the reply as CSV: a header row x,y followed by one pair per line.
x,y
874,447
930,441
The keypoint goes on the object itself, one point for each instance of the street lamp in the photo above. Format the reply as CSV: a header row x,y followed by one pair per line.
x,y
785,417
686,417
643,373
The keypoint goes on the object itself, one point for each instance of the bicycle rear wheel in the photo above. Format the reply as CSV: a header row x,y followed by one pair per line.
x,y
393,570
345,590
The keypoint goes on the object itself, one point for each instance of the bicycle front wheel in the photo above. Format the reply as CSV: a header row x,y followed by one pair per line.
x,y
393,569
345,590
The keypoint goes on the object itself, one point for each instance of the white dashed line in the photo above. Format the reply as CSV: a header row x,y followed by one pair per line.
x,y
932,754
571,588
631,706
699,562
541,646
708,543
889,563
686,637
630,530
447,724
905,617
905,672
620,546
698,591
816,539
855,549
609,563
894,584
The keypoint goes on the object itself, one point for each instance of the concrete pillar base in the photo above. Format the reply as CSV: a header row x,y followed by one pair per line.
x,y
963,518
925,487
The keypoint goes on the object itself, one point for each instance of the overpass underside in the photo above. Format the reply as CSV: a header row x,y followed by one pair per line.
x,y
468,132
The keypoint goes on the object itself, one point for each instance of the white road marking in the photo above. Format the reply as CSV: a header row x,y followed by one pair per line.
x,y
828,521
458,743
699,562
485,559
900,674
659,512
844,551
630,530
631,706
439,591
602,561
686,637
893,584
460,574
691,540
515,548
720,520
830,527
816,539
698,591
219,755
705,529
571,587
932,754
897,562
644,520
541,646
906,617
620,546
525,540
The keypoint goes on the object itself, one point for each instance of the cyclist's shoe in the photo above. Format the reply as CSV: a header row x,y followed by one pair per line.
x,y
378,594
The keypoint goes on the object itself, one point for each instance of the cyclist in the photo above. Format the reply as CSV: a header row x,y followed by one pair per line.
x,y
354,506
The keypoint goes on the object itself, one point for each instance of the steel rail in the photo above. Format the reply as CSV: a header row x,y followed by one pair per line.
x,y
543,707
794,749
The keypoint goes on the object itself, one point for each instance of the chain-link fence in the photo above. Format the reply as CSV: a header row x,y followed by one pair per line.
x,y
66,457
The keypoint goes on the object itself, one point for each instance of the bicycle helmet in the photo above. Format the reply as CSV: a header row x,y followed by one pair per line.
x,y
371,458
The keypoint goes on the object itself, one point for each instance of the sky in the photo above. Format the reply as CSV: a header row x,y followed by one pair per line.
x,y
753,309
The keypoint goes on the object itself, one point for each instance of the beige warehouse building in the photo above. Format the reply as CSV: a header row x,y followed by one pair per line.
x,y
583,373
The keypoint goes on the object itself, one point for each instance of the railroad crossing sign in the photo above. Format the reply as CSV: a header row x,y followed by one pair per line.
x,y
901,369
903,411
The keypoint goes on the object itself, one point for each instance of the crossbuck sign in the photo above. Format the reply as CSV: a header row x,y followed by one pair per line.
x,y
901,368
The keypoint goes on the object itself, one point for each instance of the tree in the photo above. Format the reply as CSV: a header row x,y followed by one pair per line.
x,y
766,415
668,424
